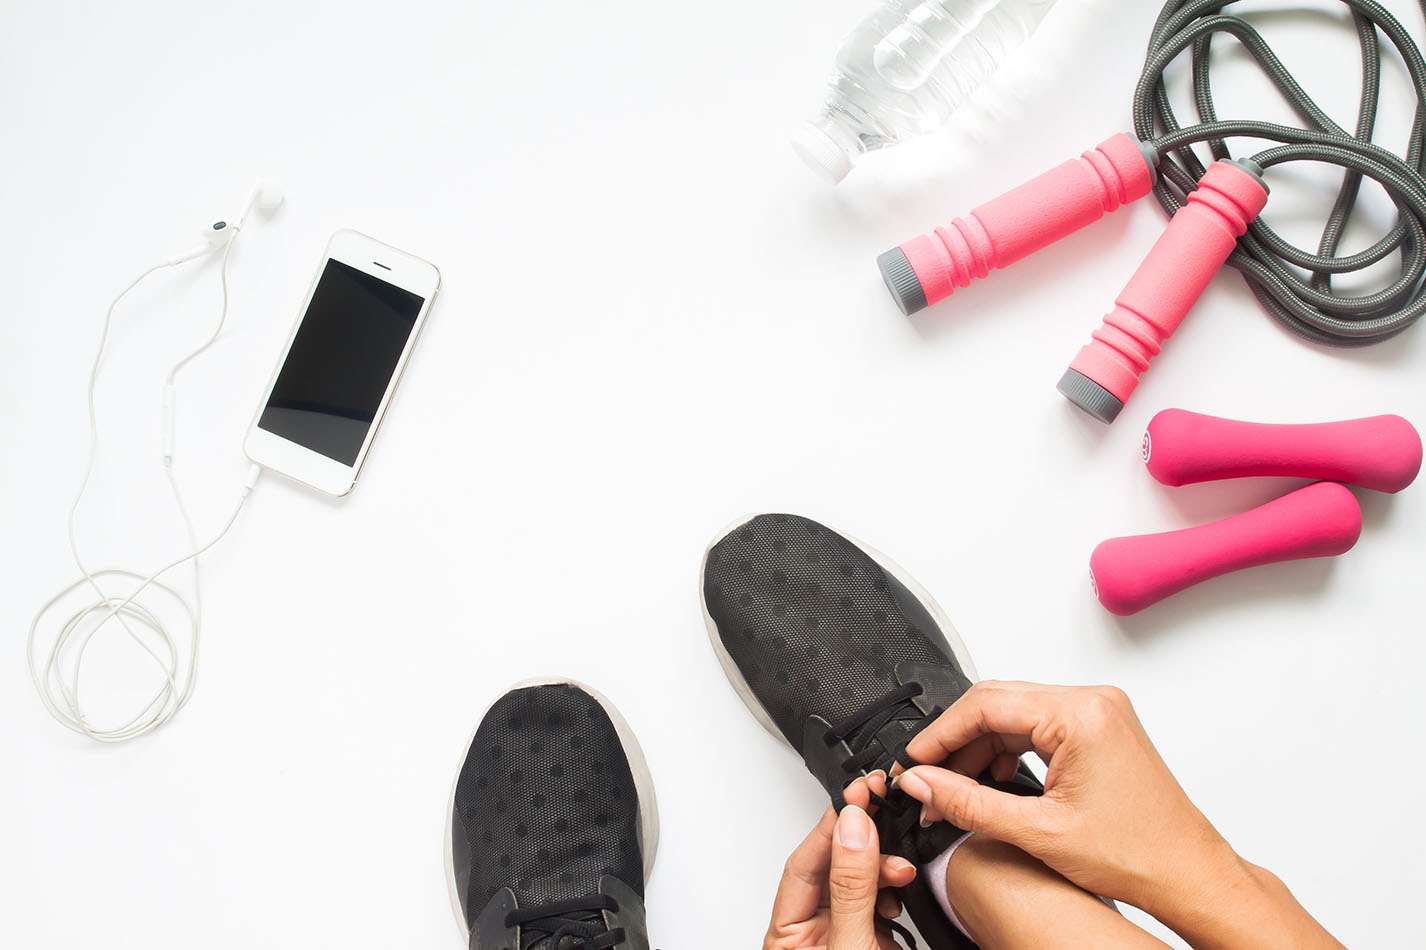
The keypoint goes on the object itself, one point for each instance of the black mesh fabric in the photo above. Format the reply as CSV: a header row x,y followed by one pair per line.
x,y
812,621
817,628
546,800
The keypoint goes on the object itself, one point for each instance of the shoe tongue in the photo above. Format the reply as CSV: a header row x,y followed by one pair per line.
x,y
892,737
540,940
545,942
899,819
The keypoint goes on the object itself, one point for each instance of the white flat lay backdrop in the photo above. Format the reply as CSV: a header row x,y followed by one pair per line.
x,y
654,321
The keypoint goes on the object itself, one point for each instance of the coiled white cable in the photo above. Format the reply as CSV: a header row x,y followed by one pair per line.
x,y
56,671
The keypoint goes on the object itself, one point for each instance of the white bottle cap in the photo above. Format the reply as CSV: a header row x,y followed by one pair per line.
x,y
821,152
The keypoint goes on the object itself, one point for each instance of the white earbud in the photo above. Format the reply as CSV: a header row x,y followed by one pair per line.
x,y
218,233
266,196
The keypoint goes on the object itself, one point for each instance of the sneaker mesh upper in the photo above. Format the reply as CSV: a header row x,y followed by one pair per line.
x,y
546,800
813,622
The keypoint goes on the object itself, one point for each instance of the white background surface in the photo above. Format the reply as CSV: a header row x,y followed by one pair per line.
x,y
654,321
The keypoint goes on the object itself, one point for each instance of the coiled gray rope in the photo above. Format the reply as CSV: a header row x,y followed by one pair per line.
x,y
1272,266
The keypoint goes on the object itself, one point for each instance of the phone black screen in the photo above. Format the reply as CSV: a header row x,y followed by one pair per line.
x,y
340,363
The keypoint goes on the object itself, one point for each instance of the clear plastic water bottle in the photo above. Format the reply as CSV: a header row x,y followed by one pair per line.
x,y
906,69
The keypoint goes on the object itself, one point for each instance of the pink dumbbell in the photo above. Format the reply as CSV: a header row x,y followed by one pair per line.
x,y
1382,453
1064,199
1165,287
1129,574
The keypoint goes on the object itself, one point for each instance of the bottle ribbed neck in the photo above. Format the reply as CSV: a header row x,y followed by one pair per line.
x,y
829,143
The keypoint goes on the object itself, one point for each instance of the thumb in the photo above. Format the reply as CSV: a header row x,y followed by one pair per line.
x,y
971,806
852,883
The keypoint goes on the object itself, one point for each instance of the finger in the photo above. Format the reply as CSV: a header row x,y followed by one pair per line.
x,y
852,882
804,877
987,708
974,807
1004,767
858,793
888,905
973,757
896,872
864,789
980,753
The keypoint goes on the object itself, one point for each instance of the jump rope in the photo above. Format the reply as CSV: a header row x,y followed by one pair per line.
x,y
1214,220
1214,208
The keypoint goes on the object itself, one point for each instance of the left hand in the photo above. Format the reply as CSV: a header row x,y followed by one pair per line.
x,y
830,895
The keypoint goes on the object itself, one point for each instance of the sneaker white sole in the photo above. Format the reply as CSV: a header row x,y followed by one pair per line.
x,y
735,676
638,768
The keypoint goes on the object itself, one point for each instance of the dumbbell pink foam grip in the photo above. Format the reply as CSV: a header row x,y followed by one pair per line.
x,y
1178,269
1034,215
1321,520
1382,453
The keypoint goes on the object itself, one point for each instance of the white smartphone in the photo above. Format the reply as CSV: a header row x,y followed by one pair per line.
x,y
342,362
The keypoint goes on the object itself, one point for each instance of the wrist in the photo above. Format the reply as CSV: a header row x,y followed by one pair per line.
x,y
1200,898
1222,900
1190,891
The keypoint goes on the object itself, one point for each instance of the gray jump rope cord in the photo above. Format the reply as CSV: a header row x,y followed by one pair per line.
x,y
1309,307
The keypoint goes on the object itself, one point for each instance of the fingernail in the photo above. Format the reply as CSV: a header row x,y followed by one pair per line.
x,y
914,785
925,822
872,775
853,828
901,864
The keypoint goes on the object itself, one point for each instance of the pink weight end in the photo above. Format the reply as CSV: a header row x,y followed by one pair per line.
x,y
1382,453
1130,574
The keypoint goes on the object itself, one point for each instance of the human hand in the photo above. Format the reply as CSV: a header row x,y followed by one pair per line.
x,y
830,896
1113,819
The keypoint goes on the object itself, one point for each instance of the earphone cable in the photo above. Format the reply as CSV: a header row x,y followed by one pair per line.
x,y
61,694
1272,266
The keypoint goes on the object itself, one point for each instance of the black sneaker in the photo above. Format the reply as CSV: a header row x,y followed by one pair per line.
x,y
553,825
843,656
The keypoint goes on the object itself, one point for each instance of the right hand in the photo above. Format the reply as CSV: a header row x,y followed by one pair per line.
x,y
835,887
1112,819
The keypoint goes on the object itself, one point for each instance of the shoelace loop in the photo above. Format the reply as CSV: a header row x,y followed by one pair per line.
x,y
860,730
573,924
898,815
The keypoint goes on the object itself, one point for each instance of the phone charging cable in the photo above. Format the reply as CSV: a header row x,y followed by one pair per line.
x,y
56,669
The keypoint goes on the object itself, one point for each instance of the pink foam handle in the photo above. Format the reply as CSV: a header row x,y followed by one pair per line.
x,y
1172,278
1025,219
1382,453
1321,520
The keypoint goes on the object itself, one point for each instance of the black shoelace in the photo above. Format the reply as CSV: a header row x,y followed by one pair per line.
x,y
575,924
898,815
861,730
